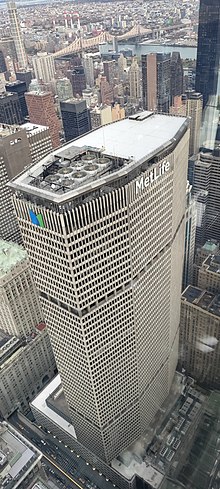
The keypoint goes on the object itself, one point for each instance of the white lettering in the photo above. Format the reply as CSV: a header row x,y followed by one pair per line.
x,y
153,175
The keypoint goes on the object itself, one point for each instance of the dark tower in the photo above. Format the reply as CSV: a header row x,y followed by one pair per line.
x,y
207,69
75,117
176,82
20,88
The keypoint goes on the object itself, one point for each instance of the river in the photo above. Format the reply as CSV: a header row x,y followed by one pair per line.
x,y
186,52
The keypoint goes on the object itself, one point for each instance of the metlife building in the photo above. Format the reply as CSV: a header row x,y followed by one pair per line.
x,y
102,219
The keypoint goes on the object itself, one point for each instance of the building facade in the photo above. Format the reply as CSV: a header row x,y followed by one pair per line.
x,y
44,67
200,335
14,157
114,252
20,309
156,81
194,107
208,68
10,109
17,35
19,87
134,82
39,140
75,117
190,238
41,111
89,70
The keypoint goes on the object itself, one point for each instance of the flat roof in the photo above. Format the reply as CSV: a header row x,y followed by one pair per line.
x,y
33,128
207,301
10,255
18,456
41,405
114,151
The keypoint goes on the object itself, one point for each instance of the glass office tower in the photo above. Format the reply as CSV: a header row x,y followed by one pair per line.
x,y
208,69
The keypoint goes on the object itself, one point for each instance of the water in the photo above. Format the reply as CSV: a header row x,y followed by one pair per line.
x,y
186,52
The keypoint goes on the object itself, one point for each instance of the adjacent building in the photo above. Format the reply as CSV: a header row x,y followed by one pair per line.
x,y
194,107
44,67
206,179
89,70
103,221
190,237
41,111
200,336
17,35
134,82
78,80
76,118
176,73
64,89
10,109
20,88
156,81
100,116
39,140
26,356
209,274
20,460
208,68
14,157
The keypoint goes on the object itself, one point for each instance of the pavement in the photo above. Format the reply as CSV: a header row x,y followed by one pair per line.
x,y
62,462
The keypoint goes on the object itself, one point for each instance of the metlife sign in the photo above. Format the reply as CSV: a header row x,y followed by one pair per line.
x,y
154,175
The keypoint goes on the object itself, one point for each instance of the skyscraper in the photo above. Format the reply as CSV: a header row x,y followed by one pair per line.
x,y
14,156
176,81
113,225
64,89
134,81
41,111
78,80
20,88
17,35
89,70
39,140
208,68
44,67
156,81
190,237
194,111
75,117
10,109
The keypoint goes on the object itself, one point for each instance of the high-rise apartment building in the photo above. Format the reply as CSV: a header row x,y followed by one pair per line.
x,y
156,81
208,68
149,81
109,71
14,157
76,118
17,35
176,80
200,336
39,140
44,67
194,106
41,111
10,109
89,70
78,80
20,88
134,82
106,91
103,221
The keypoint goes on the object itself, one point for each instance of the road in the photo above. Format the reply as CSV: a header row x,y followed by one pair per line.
x,y
61,460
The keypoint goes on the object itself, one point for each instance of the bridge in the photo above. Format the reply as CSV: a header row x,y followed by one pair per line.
x,y
83,44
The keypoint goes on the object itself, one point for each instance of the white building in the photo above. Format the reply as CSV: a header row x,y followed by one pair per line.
x,y
39,140
103,220
44,67
17,35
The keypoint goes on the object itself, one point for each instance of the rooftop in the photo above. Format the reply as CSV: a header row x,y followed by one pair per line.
x,y
33,129
101,156
11,254
201,298
18,457
211,246
212,263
